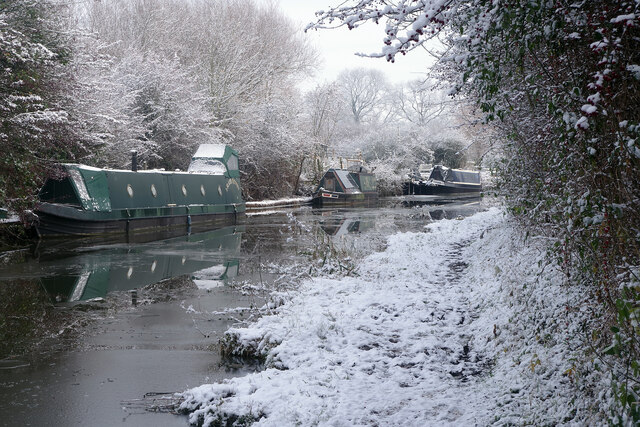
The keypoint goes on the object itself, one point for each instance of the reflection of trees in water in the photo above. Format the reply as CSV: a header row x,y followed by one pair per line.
x,y
31,325
27,316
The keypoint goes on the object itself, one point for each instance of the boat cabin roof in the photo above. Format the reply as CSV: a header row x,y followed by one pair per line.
x,y
216,151
348,181
215,159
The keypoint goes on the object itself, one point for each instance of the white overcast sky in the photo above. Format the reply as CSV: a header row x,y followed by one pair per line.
x,y
337,47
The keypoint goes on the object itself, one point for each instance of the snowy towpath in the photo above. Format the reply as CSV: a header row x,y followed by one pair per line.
x,y
427,333
393,346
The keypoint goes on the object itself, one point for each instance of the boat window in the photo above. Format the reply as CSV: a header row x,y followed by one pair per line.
x,y
55,191
130,190
329,183
437,174
367,182
233,162
210,166
79,182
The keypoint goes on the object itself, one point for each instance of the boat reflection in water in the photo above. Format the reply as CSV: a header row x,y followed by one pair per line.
x,y
338,226
209,258
443,207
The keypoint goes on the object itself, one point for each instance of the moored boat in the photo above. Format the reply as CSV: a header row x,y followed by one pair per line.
x,y
345,187
93,201
445,181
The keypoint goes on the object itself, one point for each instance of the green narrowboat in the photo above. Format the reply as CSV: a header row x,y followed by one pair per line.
x,y
346,187
91,201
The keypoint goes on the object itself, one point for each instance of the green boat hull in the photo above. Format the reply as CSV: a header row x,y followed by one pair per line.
x,y
56,220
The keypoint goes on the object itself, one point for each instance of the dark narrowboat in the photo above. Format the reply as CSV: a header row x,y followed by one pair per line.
x,y
445,181
92,201
345,187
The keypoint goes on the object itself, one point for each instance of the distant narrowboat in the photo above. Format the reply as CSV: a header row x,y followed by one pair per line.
x,y
92,201
445,181
346,187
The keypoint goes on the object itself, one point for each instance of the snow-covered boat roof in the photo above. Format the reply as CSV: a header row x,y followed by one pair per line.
x,y
215,151
92,168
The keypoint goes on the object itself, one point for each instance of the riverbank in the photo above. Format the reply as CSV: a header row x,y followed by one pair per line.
x,y
278,203
465,323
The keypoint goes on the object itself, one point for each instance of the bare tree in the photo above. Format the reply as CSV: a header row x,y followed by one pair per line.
x,y
363,89
246,52
419,102
325,108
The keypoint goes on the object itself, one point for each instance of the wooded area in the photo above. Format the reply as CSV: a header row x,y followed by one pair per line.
x,y
89,81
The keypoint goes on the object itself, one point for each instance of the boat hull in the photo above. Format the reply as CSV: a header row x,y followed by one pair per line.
x,y
426,189
55,220
332,199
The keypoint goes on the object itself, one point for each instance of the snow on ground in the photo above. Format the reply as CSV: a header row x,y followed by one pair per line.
x,y
11,219
453,326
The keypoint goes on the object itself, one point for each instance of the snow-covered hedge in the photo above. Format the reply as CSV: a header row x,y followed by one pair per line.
x,y
560,82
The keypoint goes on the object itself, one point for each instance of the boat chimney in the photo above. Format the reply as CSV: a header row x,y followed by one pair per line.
x,y
134,160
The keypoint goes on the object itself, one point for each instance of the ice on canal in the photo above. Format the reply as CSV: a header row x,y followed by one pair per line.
x,y
427,332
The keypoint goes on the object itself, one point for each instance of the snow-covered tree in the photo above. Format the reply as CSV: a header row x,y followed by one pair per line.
x,y
246,52
163,80
325,109
35,124
273,146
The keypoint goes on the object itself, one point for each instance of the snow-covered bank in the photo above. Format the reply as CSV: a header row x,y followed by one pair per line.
x,y
459,325
266,204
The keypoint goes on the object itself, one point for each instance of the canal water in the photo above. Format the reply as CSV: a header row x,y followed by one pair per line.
x,y
99,332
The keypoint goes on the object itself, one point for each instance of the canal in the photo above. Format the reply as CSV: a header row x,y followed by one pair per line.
x,y
93,332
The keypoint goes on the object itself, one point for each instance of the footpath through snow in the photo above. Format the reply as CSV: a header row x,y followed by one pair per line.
x,y
445,327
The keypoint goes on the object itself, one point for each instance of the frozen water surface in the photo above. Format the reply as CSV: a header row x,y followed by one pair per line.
x,y
138,327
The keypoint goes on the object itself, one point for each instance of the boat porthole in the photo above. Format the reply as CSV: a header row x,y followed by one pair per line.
x,y
202,190
130,190
184,190
153,266
154,192
129,273
219,190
